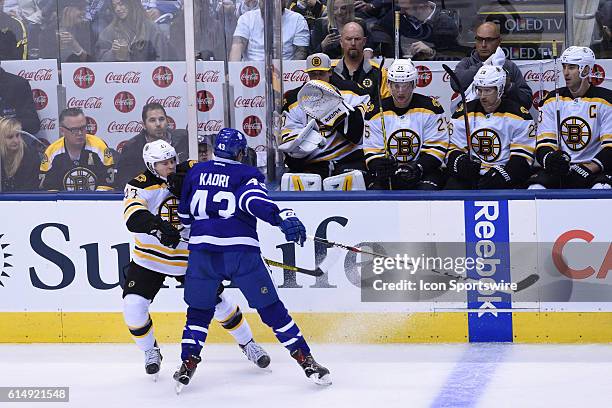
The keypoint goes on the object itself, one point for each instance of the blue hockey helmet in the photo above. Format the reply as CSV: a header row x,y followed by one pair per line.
x,y
229,143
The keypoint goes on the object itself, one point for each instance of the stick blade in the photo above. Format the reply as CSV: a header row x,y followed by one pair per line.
x,y
527,282
454,81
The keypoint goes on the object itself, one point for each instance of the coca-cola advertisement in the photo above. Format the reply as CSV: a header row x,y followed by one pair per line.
x,y
83,77
598,75
132,126
40,99
255,102
162,76
171,122
252,126
48,124
91,102
91,125
40,74
249,76
124,102
171,101
425,76
124,77
205,100
210,126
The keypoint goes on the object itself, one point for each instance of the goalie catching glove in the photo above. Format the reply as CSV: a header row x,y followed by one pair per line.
x,y
305,143
324,102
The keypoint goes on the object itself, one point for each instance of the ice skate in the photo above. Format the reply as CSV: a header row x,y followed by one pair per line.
x,y
153,360
313,370
185,372
256,354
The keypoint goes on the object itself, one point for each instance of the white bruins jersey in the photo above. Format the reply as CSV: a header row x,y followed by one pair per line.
x,y
419,130
294,120
585,123
495,137
149,193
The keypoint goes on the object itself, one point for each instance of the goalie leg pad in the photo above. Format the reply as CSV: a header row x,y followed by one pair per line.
x,y
350,181
300,182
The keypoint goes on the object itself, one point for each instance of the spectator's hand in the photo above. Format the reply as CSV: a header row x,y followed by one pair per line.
x,y
68,42
153,14
330,40
71,16
420,47
229,7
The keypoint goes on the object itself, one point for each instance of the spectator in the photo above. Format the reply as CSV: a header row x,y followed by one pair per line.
x,y
310,9
355,67
217,23
76,37
488,52
13,37
131,36
205,147
248,41
155,123
603,46
16,101
371,10
426,31
244,6
19,162
76,161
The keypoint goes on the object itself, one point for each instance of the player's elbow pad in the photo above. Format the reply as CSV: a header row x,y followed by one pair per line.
x,y
518,168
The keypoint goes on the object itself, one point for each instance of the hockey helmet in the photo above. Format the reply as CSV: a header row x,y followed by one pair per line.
x,y
229,143
402,70
490,76
157,151
581,56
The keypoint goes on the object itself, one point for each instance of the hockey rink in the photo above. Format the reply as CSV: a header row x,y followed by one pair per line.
x,y
377,376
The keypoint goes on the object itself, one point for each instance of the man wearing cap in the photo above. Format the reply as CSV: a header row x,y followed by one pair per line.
x,y
345,153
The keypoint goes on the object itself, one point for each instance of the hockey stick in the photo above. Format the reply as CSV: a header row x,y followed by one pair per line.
x,y
520,285
396,23
381,111
310,272
558,113
456,86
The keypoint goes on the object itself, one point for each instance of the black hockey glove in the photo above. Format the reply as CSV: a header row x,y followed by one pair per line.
x,y
168,235
579,176
407,176
496,178
603,181
466,168
175,182
556,163
382,168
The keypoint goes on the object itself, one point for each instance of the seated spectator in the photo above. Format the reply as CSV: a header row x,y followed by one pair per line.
x,y
155,123
603,46
131,36
13,37
248,41
427,32
19,162
16,101
326,30
310,9
371,10
76,37
76,161
488,52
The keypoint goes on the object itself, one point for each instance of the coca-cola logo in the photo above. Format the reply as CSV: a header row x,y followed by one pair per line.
x,y
537,76
209,126
445,77
295,76
91,125
538,97
121,145
40,99
424,76
598,75
171,122
255,102
84,77
205,100
249,76
42,74
167,102
125,102
93,102
206,76
252,125
47,124
133,126
129,77
162,76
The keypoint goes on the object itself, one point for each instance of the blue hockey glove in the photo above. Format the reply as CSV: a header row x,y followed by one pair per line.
x,y
291,226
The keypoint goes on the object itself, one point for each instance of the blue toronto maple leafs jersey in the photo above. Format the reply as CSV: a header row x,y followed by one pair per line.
x,y
221,201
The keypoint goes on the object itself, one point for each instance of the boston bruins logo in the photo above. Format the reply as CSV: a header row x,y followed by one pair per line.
x,y
404,144
316,62
486,143
168,211
367,83
576,133
80,179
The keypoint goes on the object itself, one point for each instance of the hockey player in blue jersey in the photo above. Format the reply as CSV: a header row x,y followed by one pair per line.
x,y
221,200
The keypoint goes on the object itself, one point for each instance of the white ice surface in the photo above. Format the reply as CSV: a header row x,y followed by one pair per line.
x,y
373,376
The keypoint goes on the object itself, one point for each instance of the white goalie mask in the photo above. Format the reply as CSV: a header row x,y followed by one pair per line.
x,y
581,56
402,71
490,76
157,151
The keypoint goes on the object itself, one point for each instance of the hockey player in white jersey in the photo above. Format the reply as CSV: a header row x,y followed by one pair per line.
x,y
583,124
150,213
408,136
501,138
